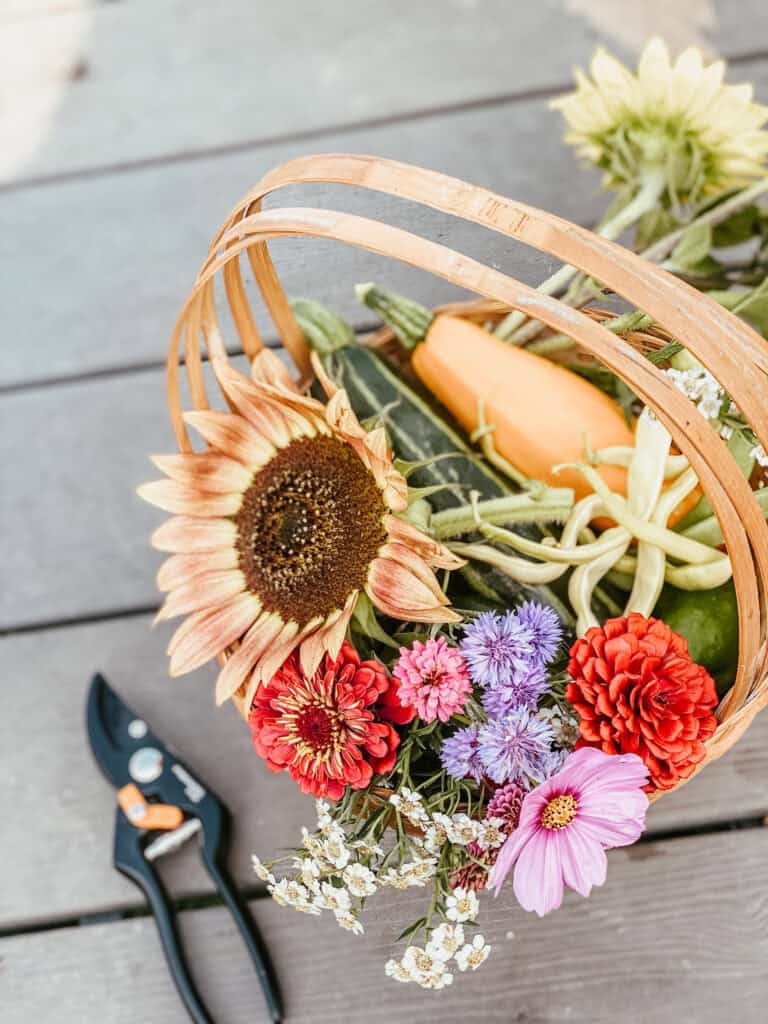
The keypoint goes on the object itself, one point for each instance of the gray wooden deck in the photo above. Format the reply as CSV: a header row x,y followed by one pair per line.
x,y
128,131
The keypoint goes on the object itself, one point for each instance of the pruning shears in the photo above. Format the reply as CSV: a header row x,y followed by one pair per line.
x,y
160,805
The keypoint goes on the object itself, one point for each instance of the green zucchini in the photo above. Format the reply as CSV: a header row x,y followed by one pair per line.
x,y
416,432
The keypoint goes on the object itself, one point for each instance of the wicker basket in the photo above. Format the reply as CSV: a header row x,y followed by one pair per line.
x,y
731,350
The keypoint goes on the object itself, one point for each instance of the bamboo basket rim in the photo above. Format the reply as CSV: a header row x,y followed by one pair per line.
x,y
693,319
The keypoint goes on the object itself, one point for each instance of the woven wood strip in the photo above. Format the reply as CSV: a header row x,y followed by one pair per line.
x,y
699,325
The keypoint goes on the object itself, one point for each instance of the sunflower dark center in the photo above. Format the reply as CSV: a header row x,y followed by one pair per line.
x,y
309,527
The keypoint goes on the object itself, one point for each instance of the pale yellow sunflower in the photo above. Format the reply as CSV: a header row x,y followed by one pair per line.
x,y
279,527
681,116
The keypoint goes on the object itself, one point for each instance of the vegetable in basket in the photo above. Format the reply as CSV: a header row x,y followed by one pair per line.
x,y
542,414
441,461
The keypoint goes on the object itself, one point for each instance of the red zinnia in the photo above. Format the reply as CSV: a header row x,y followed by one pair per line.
x,y
636,690
327,730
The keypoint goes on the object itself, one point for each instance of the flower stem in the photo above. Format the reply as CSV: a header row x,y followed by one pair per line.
x,y
646,198
550,504
716,215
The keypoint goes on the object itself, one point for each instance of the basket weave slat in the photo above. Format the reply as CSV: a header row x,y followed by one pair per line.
x,y
740,362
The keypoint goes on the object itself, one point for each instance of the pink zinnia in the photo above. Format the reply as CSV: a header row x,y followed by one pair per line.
x,y
596,801
433,677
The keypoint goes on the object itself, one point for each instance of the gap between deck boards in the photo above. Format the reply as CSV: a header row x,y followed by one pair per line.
x,y
205,901
307,134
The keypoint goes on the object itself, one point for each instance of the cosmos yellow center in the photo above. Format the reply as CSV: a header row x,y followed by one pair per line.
x,y
559,812
309,526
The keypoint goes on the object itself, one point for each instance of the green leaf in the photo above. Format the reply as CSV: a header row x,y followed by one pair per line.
x,y
754,308
365,617
693,247
737,229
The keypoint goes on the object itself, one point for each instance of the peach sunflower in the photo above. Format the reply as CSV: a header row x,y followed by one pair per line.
x,y
280,526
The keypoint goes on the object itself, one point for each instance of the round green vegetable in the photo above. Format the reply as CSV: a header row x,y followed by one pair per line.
x,y
709,621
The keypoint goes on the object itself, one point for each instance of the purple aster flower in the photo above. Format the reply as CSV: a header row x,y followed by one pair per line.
x,y
460,754
523,690
515,748
496,646
544,623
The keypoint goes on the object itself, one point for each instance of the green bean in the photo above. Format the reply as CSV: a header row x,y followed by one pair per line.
x,y
685,577
675,544
621,455
518,569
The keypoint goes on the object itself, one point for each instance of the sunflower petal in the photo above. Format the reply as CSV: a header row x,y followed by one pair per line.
x,y
328,385
328,638
372,449
207,591
206,470
185,500
274,419
233,435
255,642
187,535
211,632
283,645
398,593
415,564
433,552
178,569
267,368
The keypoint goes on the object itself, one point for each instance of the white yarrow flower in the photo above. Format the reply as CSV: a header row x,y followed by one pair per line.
x,y
394,969
473,954
309,873
335,850
445,940
290,893
410,804
349,920
760,455
491,834
435,837
332,897
359,879
261,870
462,830
462,905
426,970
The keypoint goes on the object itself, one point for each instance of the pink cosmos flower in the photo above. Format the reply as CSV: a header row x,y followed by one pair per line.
x,y
595,802
433,677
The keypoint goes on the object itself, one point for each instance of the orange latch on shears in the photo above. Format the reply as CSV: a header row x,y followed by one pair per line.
x,y
144,815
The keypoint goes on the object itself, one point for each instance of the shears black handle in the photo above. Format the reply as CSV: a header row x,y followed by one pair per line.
x,y
131,862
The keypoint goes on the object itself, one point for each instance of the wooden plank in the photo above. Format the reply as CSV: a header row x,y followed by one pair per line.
x,y
117,83
660,942
62,868
121,250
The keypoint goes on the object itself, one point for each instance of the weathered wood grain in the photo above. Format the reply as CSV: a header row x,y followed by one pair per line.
x,y
112,256
58,864
664,941
121,250
143,80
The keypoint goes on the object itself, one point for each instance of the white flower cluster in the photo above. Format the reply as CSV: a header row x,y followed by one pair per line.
x,y
711,401
703,389
428,965
336,872
439,829
330,876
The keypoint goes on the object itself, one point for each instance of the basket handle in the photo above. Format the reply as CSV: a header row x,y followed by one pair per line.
x,y
670,302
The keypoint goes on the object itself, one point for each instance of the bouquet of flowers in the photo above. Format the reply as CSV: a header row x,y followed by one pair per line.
x,y
463,580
